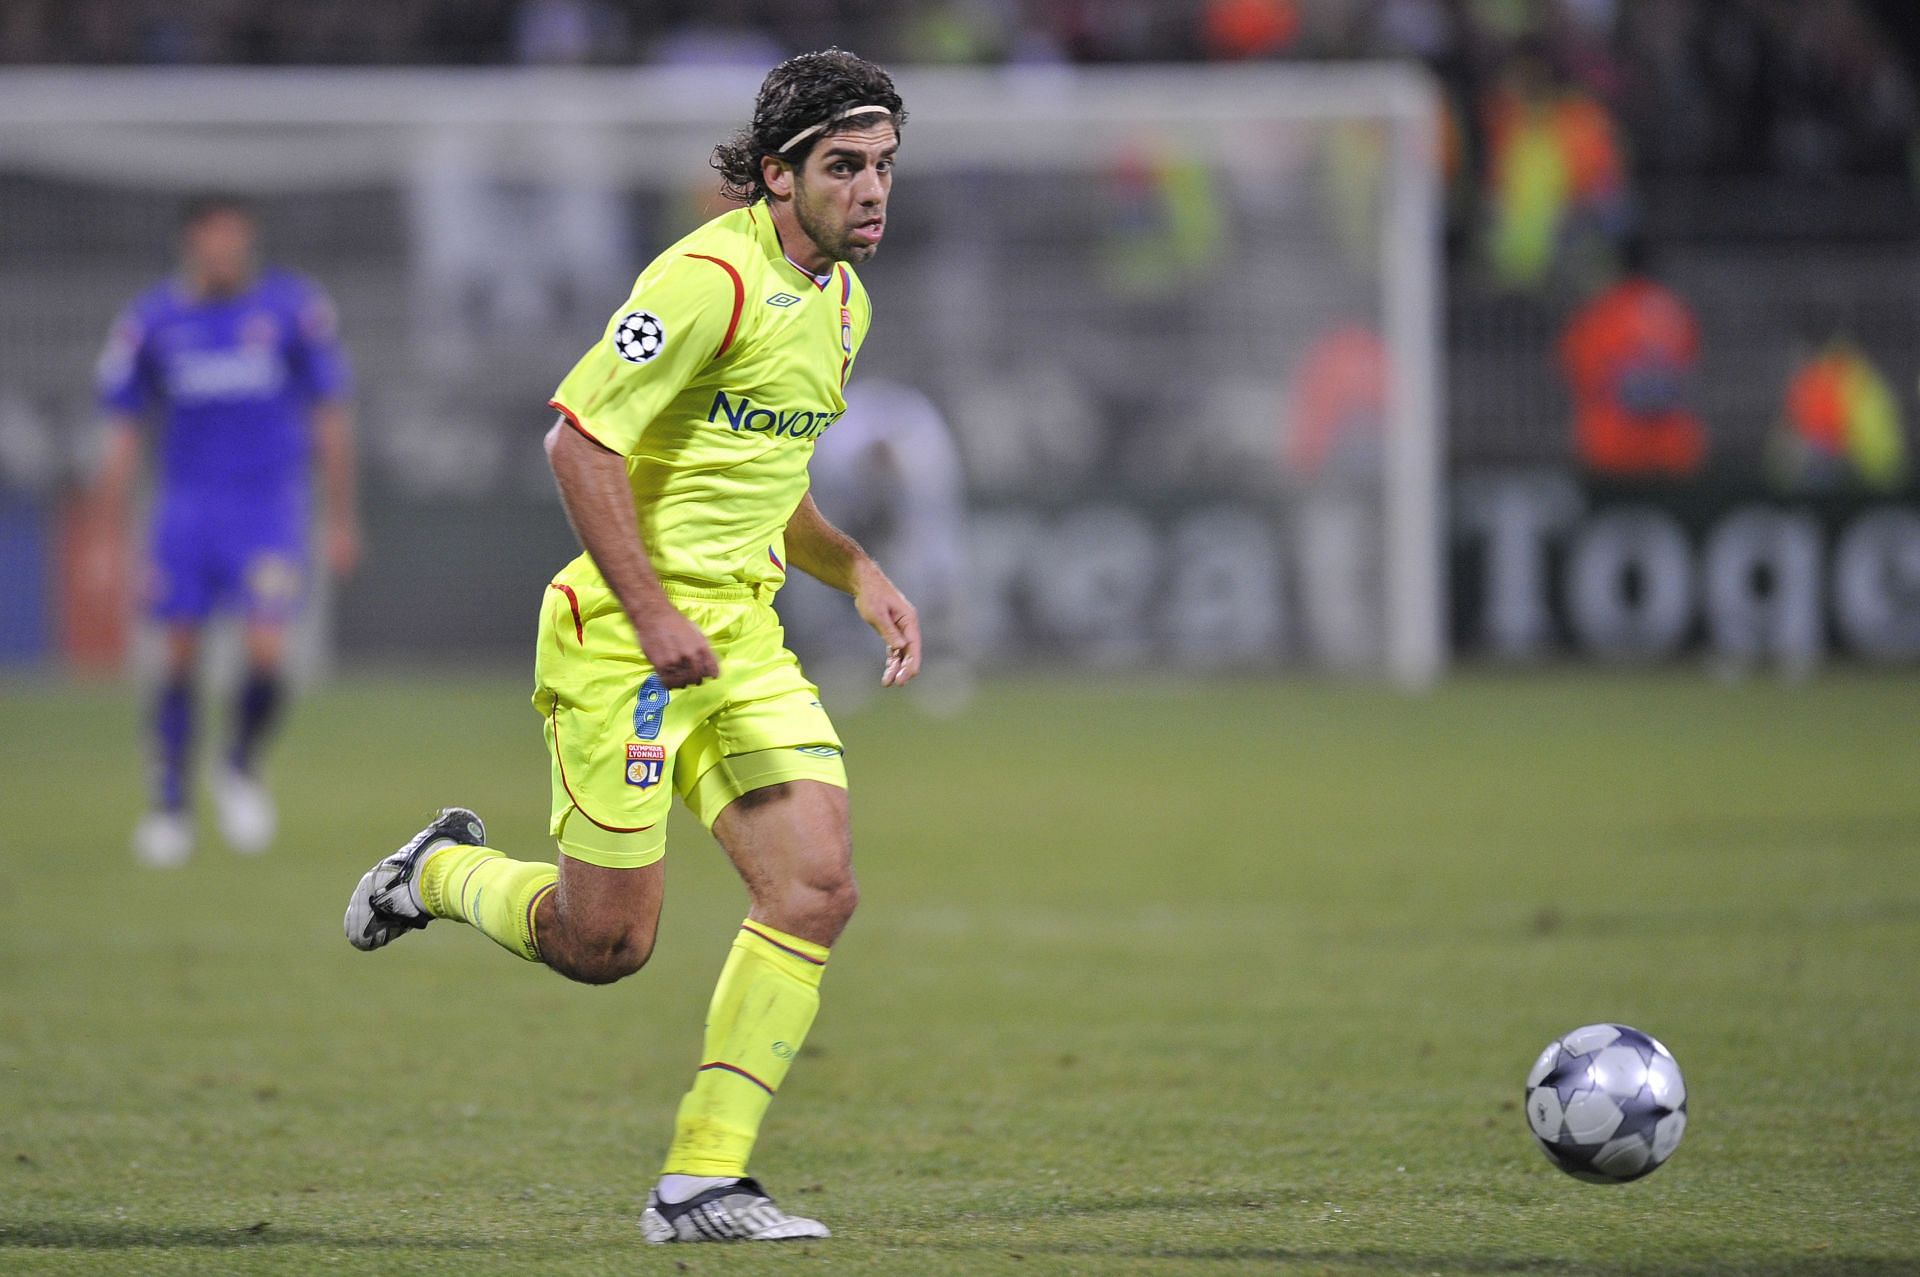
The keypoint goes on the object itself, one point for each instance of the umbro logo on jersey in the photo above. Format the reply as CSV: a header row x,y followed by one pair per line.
x,y
782,300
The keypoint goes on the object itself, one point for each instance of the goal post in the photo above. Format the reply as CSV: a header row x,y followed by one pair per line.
x,y
1182,323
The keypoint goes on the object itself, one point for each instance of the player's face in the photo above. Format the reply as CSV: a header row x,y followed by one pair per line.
x,y
219,250
840,193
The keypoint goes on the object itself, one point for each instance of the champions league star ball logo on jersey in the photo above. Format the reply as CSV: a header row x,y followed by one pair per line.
x,y
645,763
640,337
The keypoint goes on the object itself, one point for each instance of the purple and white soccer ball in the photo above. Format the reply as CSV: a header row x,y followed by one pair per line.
x,y
1607,1103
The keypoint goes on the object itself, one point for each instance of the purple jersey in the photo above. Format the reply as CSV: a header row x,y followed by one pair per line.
x,y
228,384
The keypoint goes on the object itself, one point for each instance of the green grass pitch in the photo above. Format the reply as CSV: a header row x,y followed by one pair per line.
x,y
1217,977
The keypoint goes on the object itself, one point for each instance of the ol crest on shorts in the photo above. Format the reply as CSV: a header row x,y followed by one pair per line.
x,y
645,764
639,336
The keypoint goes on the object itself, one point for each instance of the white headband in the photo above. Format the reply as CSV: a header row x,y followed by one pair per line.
x,y
849,113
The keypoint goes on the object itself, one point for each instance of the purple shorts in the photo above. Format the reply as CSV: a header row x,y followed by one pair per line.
x,y
227,556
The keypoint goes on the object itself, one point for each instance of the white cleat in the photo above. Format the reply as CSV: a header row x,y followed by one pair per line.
x,y
163,839
245,810
737,1212
386,905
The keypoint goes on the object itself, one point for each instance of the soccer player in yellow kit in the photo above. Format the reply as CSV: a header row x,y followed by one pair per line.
x,y
681,457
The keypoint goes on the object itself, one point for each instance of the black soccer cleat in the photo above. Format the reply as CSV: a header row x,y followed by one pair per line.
x,y
383,906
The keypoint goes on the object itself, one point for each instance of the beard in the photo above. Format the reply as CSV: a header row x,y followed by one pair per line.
x,y
829,234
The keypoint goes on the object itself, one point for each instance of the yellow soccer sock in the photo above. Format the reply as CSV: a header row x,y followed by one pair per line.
x,y
481,887
759,1016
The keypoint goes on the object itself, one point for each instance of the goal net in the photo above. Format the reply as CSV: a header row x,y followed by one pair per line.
x,y
1152,381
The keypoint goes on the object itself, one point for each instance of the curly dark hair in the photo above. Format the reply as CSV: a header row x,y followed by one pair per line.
x,y
806,90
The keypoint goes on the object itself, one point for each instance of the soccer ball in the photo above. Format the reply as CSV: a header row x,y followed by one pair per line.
x,y
639,337
1607,1103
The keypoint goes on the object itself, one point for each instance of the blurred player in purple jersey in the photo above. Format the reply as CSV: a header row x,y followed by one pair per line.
x,y
234,374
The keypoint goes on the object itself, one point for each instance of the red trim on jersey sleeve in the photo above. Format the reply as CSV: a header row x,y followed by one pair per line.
x,y
574,421
739,299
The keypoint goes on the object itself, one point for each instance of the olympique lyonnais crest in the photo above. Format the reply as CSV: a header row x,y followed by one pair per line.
x,y
640,337
846,330
645,764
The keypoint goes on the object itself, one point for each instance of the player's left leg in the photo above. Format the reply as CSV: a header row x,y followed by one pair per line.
x,y
258,700
789,839
246,809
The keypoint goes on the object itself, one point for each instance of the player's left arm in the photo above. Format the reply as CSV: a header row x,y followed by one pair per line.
x,y
321,364
826,553
339,491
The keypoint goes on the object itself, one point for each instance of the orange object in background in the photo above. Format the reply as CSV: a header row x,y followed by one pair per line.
x,y
1817,402
1339,399
1555,167
1630,356
1841,423
1241,30
1586,136
94,586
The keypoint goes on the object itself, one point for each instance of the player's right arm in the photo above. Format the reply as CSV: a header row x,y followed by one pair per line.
x,y
599,504
124,382
685,311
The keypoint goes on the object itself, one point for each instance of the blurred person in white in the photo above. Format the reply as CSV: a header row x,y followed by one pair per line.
x,y
890,471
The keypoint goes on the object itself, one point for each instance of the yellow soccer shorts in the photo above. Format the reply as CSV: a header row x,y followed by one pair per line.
x,y
622,744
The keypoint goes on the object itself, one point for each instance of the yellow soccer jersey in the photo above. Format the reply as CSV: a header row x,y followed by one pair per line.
x,y
714,380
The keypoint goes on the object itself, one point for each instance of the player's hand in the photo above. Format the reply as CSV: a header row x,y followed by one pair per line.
x,y
677,650
343,547
882,606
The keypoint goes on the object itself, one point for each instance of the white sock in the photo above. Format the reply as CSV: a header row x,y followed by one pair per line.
x,y
674,1189
434,848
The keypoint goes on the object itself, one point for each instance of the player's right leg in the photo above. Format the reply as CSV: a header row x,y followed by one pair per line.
x,y
609,729
164,836
588,923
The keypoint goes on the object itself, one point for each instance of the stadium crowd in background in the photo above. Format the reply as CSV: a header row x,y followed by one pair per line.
x,y
1796,90
1573,126
1743,85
